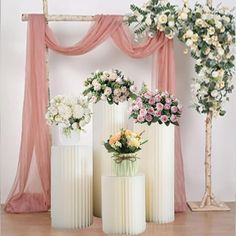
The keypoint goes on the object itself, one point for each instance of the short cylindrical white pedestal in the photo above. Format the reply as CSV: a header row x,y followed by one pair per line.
x,y
123,205
157,163
107,120
71,186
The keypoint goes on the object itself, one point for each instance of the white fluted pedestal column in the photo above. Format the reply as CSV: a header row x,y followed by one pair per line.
x,y
123,205
71,186
107,120
157,163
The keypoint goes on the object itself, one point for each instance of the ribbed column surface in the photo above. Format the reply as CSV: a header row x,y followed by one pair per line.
x,y
107,120
123,205
157,163
71,186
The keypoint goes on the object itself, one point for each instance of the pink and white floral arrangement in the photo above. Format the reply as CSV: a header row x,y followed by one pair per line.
x,y
155,106
111,86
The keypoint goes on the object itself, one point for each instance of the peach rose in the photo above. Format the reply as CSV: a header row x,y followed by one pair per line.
x,y
113,139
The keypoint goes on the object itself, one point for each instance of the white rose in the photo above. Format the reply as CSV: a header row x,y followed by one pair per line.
x,y
113,76
140,18
97,87
221,51
53,110
194,38
103,77
78,112
171,23
119,80
222,29
226,18
103,97
211,30
93,99
207,50
189,33
162,19
218,24
117,92
82,123
189,42
214,93
123,89
64,111
215,74
183,16
75,126
107,91
94,82
133,88
199,22
148,20
58,118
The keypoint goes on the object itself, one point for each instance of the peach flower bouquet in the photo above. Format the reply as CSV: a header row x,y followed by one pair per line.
x,y
124,146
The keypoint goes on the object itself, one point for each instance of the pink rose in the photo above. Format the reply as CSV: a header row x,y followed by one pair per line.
x,y
148,94
140,118
158,98
148,118
164,118
143,112
174,109
138,99
173,118
151,101
150,110
167,107
130,110
139,104
159,106
157,113
135,108
168,100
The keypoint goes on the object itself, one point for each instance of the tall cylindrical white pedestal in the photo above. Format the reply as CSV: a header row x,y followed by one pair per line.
x,y
123,205
71,186
107,120
157,163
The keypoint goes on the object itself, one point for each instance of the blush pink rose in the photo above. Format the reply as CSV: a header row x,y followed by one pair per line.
x,y
167,106
139,104
148,118
148,95
140,118
150,110
143,112
158,98
157,113
164,118
138,99
159,106
130,109
173,118
151,101
168,100
174,109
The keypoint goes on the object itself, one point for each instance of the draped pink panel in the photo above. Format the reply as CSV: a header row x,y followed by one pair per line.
x,y
26,196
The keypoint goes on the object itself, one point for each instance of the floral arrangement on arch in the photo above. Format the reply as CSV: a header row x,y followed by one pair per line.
x,y
124,145
69,112
111,86
209,33
155,106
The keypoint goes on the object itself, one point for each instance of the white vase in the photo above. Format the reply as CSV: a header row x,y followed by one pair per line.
x,y
59,138
107,120
71,186
123,205
157,163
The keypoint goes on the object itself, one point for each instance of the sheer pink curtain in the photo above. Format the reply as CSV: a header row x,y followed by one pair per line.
x,y
35,135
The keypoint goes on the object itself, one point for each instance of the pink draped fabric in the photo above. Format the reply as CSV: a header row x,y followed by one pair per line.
x,y
35,135
28,195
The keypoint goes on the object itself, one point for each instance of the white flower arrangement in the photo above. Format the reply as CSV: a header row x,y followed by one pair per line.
x,y
154,16
70,113
111,86
208,33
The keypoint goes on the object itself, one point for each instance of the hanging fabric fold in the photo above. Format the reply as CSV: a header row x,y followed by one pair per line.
x,y
35,143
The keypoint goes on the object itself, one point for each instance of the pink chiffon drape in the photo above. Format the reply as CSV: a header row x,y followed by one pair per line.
x,y
34,161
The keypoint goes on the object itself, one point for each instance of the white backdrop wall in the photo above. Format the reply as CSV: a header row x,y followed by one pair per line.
x,y
67,74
